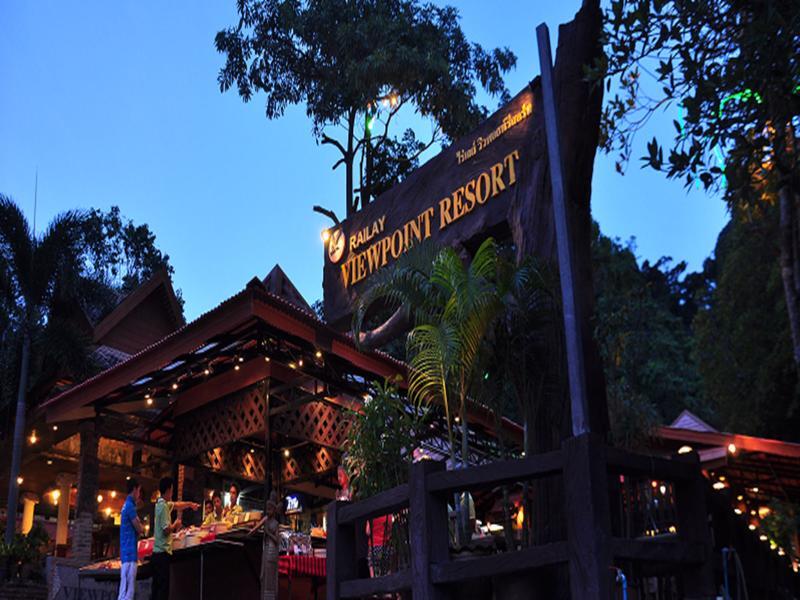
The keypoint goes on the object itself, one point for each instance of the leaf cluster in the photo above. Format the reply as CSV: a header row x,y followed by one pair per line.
x,y
730,67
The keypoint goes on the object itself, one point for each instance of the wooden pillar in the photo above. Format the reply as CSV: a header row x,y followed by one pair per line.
x,y
29,502
692,507
340,552
428,534
64,482
588,518
86,505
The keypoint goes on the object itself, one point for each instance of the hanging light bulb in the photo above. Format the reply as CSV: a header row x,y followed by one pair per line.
x,y
175,386
287,453
206,371
99,498
732,448
684,449
149,402
33,439
325,235
236,367
55,427
20,480
318,354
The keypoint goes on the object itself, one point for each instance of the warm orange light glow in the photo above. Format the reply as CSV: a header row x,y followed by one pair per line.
x,y
325,235
113,494
107,511
55,495
763,511
33,439
99,498
20,480
520,521
318,354
149,402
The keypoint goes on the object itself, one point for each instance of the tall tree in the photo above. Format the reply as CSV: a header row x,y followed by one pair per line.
x,y
85,262
743,345
645,338
731,68
351,59
35,271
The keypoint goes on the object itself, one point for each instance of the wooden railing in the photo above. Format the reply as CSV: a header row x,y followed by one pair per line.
x,y
584,464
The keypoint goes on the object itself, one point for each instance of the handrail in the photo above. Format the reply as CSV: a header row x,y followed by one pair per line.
x,y
676,468
497,473
386,502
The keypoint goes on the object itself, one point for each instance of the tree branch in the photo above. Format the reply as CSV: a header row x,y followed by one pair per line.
x,y
327,212
326,139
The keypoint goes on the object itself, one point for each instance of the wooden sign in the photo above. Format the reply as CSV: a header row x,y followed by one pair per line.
x,y
461,195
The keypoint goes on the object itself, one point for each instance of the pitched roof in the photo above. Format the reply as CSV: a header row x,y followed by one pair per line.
x,y
688,420
279,284
152,309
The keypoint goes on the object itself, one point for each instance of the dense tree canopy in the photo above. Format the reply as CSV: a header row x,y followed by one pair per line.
x,y
348,60
729,70
643,327
743,348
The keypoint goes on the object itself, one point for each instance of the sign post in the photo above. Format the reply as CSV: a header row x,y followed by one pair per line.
x,y
572,331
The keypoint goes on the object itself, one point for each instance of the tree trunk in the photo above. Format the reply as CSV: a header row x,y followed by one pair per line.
x,y
788,264
348,163
19,438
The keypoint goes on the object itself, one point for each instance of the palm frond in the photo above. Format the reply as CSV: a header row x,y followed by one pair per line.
x,y
16,245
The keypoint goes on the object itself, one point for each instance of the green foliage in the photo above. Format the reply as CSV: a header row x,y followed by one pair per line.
x,y
381,441
345,58
642,325
782,524
743,347
732,68
79,267
118,253
25,551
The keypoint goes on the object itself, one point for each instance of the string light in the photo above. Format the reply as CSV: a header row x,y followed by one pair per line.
x,y
113,493
252,451
737,510
325,235
99,498
207,372
241,359
175,386
108,511
718,485
292,365
684,449
128,478
20,480
318,354
762,537
751,527
55,495
300,363
149,402
754,490
266,359
49,462
287,453
236,367
33,439
662,489
732,448
55,427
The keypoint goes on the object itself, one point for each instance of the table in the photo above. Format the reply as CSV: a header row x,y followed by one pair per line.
x,y
313,567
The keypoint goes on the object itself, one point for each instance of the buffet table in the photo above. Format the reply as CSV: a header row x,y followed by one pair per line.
x,y
225,565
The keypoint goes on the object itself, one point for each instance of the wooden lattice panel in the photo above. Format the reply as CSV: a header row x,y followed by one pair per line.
x,y
235,460
221,422
307,463
315,422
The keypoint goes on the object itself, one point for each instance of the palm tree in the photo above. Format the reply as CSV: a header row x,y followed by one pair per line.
x,y
454,304
36,272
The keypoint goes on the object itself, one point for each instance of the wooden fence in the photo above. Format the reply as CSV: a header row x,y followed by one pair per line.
x,y
585,464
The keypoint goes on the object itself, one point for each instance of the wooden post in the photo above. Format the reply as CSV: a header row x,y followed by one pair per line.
x,y
692,507
340,552
428,531
572,329
588,518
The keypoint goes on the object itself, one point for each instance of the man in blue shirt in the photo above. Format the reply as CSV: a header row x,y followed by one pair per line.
x,y
129,531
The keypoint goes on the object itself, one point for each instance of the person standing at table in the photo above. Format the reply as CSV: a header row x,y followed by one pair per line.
x,y
233,507
269,549
215,514
162,543
130,528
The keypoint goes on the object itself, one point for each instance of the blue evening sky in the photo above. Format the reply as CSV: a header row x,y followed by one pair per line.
x,y
117,103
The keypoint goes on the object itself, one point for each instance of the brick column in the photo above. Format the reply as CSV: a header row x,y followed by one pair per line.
x,y
29,502
64,481
86,505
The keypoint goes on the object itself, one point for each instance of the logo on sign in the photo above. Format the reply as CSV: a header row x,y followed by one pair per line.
x,y
336,245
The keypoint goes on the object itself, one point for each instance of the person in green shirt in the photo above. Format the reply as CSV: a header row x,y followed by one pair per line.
x,y
164,527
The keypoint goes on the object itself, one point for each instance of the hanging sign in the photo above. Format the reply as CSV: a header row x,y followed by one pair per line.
x,y
458,197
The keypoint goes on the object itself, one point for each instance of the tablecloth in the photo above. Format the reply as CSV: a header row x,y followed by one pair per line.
x,y
292,564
